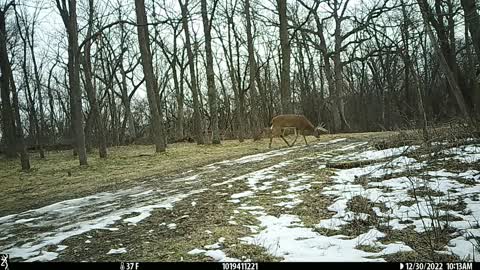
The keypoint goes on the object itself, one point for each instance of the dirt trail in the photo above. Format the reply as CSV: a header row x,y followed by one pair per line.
x,y
26,235
283,204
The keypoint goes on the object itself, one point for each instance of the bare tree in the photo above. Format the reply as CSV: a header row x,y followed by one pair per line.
x,y
8,121
90,88
212,91
452,80
285,48
197,120
151,81
69,17
254,99
8,86
472,19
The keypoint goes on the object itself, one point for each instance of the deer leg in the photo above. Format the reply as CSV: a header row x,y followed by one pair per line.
x,y
271,138
296,137
281,136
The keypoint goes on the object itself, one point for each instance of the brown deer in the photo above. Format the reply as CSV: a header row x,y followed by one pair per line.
x,y
300,124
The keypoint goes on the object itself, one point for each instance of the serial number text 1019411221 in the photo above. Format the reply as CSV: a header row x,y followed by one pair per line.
x,y
240,266
437,266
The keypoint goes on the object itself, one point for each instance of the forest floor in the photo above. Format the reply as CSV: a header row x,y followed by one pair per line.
x,y
345,197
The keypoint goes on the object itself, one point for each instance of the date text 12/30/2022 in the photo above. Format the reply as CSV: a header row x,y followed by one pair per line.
x,y
436,266
240,266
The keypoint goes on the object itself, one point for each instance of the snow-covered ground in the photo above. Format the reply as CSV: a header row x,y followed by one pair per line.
x,y
388,180
286,236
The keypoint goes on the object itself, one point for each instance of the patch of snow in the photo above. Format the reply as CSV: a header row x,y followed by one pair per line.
x,y
441,172
254,177
380,154
142,193
253,228
216,254
213,246
286,237
471,175
262,156
44,257
290,204
183,217
117,251
251,207
136,219
61,247
25,220
234,201
465,153
288,196
463,248
242,194
196,251
299,188
194,203
77,216
256,212
6,218
172,226
220,256
336,140
352,146
186,179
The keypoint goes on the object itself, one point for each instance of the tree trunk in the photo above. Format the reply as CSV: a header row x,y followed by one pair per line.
x,y
32,112
69,16
197,120
443,62
40,123
51,103
21,148
90,89
151,81
180,104
285,48
212,91
252,64
132,133
473,21
8,120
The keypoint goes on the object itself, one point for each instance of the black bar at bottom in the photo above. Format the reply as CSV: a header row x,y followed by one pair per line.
x,y
242,265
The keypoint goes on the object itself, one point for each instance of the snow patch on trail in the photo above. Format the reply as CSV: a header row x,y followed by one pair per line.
x,y
465,153
214,252
74,217
117,251
287,237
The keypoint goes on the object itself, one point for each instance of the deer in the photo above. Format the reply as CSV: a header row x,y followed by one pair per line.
x,y
299,123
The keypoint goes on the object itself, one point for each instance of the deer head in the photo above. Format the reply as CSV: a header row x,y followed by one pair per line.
x,y
320,130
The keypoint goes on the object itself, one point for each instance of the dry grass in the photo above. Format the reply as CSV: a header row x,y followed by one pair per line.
x,y
59,176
